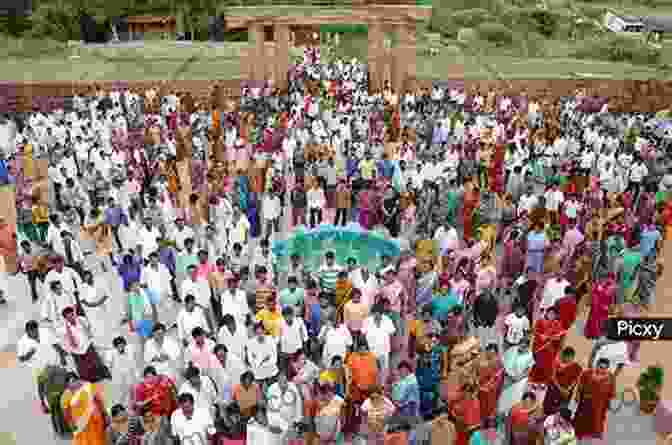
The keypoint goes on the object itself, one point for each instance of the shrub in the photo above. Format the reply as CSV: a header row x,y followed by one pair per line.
x,y
546,22
496,33
470,18
617,48
592,11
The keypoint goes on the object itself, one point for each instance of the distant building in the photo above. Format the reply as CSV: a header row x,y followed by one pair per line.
x,y
16,7
652,25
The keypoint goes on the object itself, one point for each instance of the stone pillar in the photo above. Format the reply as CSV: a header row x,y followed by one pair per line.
x,y
281,55
258,61
376,51
405,63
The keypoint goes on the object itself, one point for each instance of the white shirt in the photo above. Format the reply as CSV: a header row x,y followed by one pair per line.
x,y
180,236
638,172
528,202
192,431
45,353
516,328
284,408
239,231
68,278
199,289
169,347
379,336
263,357
123,367
316,198
336,343
204,397
292,337
587,159
147,238
187,321
553,200
234,302
258,434
157,279
368,287
553,291
271,207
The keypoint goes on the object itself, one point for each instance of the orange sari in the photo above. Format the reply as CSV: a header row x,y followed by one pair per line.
x,y
363,368
84,410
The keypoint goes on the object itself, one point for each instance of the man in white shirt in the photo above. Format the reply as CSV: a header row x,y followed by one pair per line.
x,y
122,362
190,317
293,336
271,209
180,234
638,171
378,329
261,354
190,425
202,388
234,301
148,236
528,201
163,352
156,279
69,279
285,405
196,287
366,282
554,199
38,348
239,229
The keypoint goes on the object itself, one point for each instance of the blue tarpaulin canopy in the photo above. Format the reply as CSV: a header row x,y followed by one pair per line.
x,y
367,247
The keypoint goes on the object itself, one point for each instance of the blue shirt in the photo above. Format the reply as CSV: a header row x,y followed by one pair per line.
x,y
168,259
647,242
114,216
352,167
443,304
386,168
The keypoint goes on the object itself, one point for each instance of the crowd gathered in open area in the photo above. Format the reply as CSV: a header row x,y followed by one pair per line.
x,y
333,266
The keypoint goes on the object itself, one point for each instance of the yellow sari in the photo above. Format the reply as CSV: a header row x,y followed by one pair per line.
x,y
83,409
28,166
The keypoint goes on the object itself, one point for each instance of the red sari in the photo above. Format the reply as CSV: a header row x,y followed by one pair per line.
x,y
567,308
467,412
602,297
566,376
548,335
490,378
596,388
161,390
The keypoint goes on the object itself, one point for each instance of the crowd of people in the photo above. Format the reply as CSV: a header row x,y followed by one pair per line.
x,y
514,217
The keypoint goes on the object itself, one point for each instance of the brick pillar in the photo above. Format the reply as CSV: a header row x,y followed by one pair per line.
x,y
405,65
281,55
258,60
376,52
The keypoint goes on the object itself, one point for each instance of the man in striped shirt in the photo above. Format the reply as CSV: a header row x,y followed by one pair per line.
x,y
328,272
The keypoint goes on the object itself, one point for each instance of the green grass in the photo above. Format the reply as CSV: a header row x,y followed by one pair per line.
x,y
660,9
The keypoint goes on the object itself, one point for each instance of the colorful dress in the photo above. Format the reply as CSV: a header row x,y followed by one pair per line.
x,y
85,411
428,374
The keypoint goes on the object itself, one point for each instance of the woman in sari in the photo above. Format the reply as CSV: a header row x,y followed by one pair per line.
x,y
524,421
51,384
518,361
548,336
558,429
343,293
467,413
84,411
361,369
602,297
470,204
597,386
566,373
